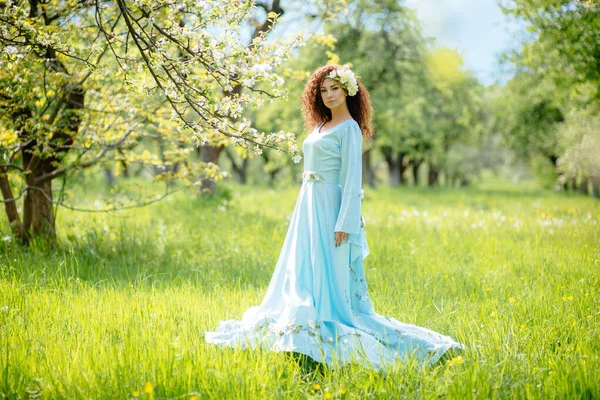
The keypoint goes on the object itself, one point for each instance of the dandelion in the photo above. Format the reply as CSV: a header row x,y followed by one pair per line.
x,y
136,393
316,386
522,326
342,391
327,396
148,387
511,299
456,360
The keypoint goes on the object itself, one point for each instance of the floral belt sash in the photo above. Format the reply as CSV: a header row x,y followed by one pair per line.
x,y
320,177
312,176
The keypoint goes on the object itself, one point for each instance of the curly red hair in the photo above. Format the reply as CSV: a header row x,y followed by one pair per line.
x,y
314,110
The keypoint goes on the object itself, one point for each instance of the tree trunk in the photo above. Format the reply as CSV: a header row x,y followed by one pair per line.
x,y
402,165
10,206
595,179
392,164
416,164
583,186
394,174
554,160
109,177
573,184
124,168
241,169
433,176
451,180
210,154
243,173
272,176
38,215
368,174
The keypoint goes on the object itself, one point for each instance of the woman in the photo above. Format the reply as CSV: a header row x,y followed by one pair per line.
x,y
317,302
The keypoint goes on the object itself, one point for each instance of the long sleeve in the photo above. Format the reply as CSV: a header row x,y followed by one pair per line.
x,y
348,220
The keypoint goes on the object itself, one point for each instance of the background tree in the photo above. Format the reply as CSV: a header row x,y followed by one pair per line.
x,y
556,87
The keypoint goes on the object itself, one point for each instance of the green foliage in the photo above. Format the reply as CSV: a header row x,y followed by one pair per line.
x,y
118,309
544,170
581,140
551,105
565,43
528,112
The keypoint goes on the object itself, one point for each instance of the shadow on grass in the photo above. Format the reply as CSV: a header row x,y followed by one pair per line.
x,y
312,369
186,242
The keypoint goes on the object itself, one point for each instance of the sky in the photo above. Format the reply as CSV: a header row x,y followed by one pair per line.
x,y
477,29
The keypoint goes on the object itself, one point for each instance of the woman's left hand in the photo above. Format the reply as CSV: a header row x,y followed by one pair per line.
x,y
340,237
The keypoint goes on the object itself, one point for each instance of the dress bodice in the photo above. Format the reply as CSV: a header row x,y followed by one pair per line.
x,y
335,156
323,150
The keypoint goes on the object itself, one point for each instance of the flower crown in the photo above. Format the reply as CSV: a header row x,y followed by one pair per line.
x,y
346,79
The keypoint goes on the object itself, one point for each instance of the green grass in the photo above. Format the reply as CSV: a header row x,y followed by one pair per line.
x,y
121,304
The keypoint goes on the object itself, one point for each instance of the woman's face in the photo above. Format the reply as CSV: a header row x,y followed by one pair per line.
x,y
332,93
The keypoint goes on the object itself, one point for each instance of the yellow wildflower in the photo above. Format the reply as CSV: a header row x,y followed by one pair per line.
x,y
456,360
136,393
148,387
327,395
316,386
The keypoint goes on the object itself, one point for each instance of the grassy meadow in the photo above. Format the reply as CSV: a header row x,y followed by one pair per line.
x,y
118,309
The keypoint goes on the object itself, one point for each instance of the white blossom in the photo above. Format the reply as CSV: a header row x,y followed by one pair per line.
x,y
249,82
261,68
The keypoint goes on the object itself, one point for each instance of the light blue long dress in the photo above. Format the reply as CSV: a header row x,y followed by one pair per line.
x,y
318,302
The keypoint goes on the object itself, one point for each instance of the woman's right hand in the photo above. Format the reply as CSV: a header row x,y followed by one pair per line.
x,y
340,237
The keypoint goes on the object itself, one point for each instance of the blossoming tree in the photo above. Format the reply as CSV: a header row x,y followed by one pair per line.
x,y
89,82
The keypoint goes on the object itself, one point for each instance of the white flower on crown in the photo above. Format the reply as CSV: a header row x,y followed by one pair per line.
x,y
346,78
